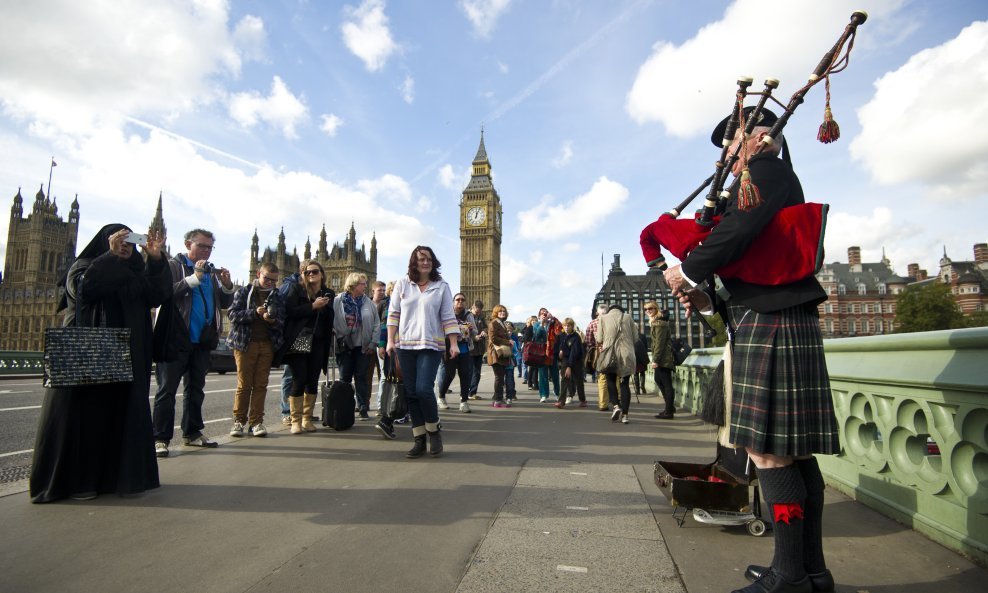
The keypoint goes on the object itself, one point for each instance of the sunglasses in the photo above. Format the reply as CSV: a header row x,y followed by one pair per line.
x,y
312,272
650,308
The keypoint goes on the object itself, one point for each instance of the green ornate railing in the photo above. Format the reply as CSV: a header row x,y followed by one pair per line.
x,y
913,417
20,363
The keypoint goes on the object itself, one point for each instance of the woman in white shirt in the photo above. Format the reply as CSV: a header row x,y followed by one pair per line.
x,y
419,321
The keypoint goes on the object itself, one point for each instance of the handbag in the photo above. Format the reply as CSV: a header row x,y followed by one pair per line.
x,y
396,406
303,342
502,351
534,354
680,350
80,355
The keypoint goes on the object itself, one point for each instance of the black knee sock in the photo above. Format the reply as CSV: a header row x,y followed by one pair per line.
x,y
785,493
813,515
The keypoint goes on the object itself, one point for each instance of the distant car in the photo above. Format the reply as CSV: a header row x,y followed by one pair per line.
x,y
221,360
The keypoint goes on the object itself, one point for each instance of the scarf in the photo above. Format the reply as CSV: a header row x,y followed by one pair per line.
x,y
351,311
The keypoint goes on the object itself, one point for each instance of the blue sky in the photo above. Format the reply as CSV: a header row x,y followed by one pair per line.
x,y
596,116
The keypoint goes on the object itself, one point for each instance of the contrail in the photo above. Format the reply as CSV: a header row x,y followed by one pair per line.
x,y
195,143
545,77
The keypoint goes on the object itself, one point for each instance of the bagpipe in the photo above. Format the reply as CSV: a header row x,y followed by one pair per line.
x,y
790,247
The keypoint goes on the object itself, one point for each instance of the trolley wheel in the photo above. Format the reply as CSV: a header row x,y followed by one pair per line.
x,y
756,527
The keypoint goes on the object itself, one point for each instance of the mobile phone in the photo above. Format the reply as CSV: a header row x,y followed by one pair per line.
x,y
137,239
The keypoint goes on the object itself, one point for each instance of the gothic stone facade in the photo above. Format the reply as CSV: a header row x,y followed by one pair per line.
x,y
338,262
40,248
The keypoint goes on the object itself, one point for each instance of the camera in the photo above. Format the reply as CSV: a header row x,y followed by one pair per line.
x,y
268,301
208,268
137,239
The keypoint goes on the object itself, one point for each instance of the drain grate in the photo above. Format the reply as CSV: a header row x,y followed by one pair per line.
x,y
13,474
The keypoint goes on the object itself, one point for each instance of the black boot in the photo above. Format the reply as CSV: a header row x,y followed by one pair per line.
x,y
435,444
418,448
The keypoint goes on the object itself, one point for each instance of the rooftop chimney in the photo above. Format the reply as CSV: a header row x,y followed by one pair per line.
x,y
854,255
912,271
981,254
854,258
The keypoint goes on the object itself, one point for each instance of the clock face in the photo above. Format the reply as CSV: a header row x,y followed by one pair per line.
x,y
476,216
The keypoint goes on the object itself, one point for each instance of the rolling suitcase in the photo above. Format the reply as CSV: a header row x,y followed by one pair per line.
x,y
337,401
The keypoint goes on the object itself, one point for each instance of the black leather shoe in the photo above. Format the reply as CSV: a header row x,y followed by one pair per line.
x,y
417,449
665,415
821,582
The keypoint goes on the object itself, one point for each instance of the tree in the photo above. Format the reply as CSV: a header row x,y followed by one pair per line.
x,y
927,308
977,319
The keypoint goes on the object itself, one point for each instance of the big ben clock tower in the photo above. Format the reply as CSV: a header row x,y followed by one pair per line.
x,y
480,234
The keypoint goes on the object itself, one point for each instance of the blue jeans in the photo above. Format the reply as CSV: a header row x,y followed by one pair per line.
x,y
191,365
353,364
478,363
545,375
509,383
286,389
419,368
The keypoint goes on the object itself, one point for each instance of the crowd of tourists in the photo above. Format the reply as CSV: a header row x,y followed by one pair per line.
x,y
413,328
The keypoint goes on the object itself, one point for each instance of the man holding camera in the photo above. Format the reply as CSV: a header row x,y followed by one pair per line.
x,y
186,329
257,318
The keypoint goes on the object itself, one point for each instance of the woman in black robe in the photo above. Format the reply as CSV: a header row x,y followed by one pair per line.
x,y
97,439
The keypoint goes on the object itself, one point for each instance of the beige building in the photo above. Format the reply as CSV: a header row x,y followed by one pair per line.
x,y
480,234
338,261
40,247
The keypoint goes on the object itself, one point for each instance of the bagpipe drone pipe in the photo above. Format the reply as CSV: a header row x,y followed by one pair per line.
x,y
790,246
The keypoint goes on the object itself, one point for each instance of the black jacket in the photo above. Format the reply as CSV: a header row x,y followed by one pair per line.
x,y
779,187
569,349
300,314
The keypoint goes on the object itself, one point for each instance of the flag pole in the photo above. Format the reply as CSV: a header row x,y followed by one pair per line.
x,y
50,169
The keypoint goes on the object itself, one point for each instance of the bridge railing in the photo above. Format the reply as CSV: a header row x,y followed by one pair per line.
x,y
14,363
913,416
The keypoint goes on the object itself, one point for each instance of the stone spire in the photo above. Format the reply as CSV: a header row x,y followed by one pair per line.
x,y
323,253
17,210
158,223
74,211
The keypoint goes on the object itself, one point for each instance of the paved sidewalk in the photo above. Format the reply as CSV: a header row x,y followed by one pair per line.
x,y
507,508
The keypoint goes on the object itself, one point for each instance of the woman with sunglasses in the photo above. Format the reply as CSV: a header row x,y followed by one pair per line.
x,y
308,331
419,322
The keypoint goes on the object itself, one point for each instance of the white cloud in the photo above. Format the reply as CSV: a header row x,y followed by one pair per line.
x,y
366,34
330,124
281,109
584,213
250,38
571,247
106,57
387,189
502,67
565,155
689,86
450,179
517,273
917,127
870,232
483,14
407,89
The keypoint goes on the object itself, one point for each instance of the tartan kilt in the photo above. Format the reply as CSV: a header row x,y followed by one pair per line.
x,y
782,403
